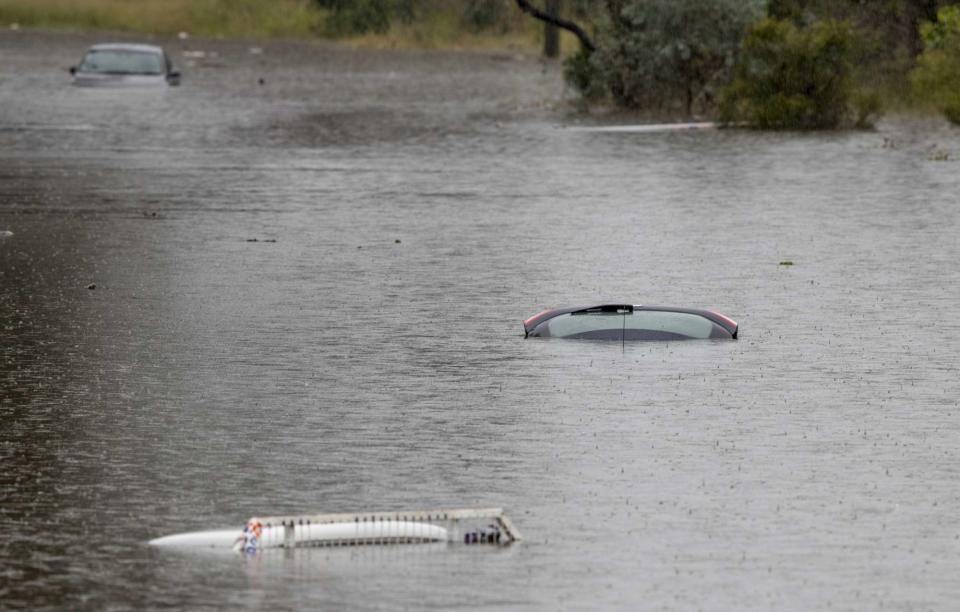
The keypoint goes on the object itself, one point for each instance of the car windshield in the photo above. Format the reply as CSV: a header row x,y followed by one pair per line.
x,y
122,62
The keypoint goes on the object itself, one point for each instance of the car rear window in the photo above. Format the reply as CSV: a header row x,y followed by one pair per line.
x,y
679,323
584,325
636,325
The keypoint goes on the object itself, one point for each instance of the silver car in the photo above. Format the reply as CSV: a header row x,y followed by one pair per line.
x,y
121,64
623,322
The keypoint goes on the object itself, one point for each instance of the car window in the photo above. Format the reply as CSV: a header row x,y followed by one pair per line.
x,y
122,62
659,324
636,325
583,325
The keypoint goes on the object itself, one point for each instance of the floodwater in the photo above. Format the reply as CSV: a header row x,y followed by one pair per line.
x,y
372,357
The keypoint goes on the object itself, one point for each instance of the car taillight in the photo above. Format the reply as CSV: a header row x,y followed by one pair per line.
x,y
728,320
528,322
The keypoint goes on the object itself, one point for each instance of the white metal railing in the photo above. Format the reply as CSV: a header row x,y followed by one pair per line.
x,y
470,526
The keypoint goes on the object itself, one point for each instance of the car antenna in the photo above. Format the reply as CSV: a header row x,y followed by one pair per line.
x,y
623,333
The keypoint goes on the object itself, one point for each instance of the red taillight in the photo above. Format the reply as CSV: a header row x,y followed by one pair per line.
x,y
728,320
527,322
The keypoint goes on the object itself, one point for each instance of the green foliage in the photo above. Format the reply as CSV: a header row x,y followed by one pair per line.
x,y
951,110
239,18
942,33
664,53
936,79
797,11
349,17
479,15
867,106
796,78
887,35
358,16
585,75
368,16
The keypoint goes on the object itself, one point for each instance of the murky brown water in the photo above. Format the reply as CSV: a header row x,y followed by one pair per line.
x,y
814,463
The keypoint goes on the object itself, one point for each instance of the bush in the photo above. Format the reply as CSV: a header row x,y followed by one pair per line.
x,y
585,75
479,15
867,106
936,79
792,78
349,17
358,16
951,110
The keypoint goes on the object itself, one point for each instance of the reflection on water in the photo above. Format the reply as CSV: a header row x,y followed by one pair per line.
x,y
205,378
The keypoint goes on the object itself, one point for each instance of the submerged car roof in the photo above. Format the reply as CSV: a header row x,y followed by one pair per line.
x,y
126,47
723,321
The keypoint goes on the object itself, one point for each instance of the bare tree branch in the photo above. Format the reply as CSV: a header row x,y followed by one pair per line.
x,y
533,11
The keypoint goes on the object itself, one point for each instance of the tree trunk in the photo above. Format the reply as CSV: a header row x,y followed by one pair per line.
x,y
551,34
533,11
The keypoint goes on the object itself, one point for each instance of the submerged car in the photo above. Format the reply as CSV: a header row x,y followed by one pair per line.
x,y
628,322
120,64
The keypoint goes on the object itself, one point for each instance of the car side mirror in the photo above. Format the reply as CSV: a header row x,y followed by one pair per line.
x,y
72,69
173,77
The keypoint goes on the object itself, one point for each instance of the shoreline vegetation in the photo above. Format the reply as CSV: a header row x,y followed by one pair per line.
x,y
774,64
769,64
447,25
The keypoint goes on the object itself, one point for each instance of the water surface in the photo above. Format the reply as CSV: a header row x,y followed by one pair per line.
x,y
372,357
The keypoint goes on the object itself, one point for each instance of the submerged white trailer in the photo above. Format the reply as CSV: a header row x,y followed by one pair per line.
x,y
469,526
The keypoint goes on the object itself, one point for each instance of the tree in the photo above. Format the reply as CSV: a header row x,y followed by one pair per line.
x,y
937,76
891,26
660,51
662,54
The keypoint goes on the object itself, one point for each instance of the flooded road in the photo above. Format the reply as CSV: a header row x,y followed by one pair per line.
x,y
162,372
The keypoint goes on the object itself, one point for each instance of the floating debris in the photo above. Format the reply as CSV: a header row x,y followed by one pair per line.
x,y
5,234
264,240
256,51
786,262
92,286
939,156
397,241
645,127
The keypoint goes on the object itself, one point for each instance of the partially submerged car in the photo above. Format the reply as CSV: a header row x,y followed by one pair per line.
x,y
121,64
627,322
